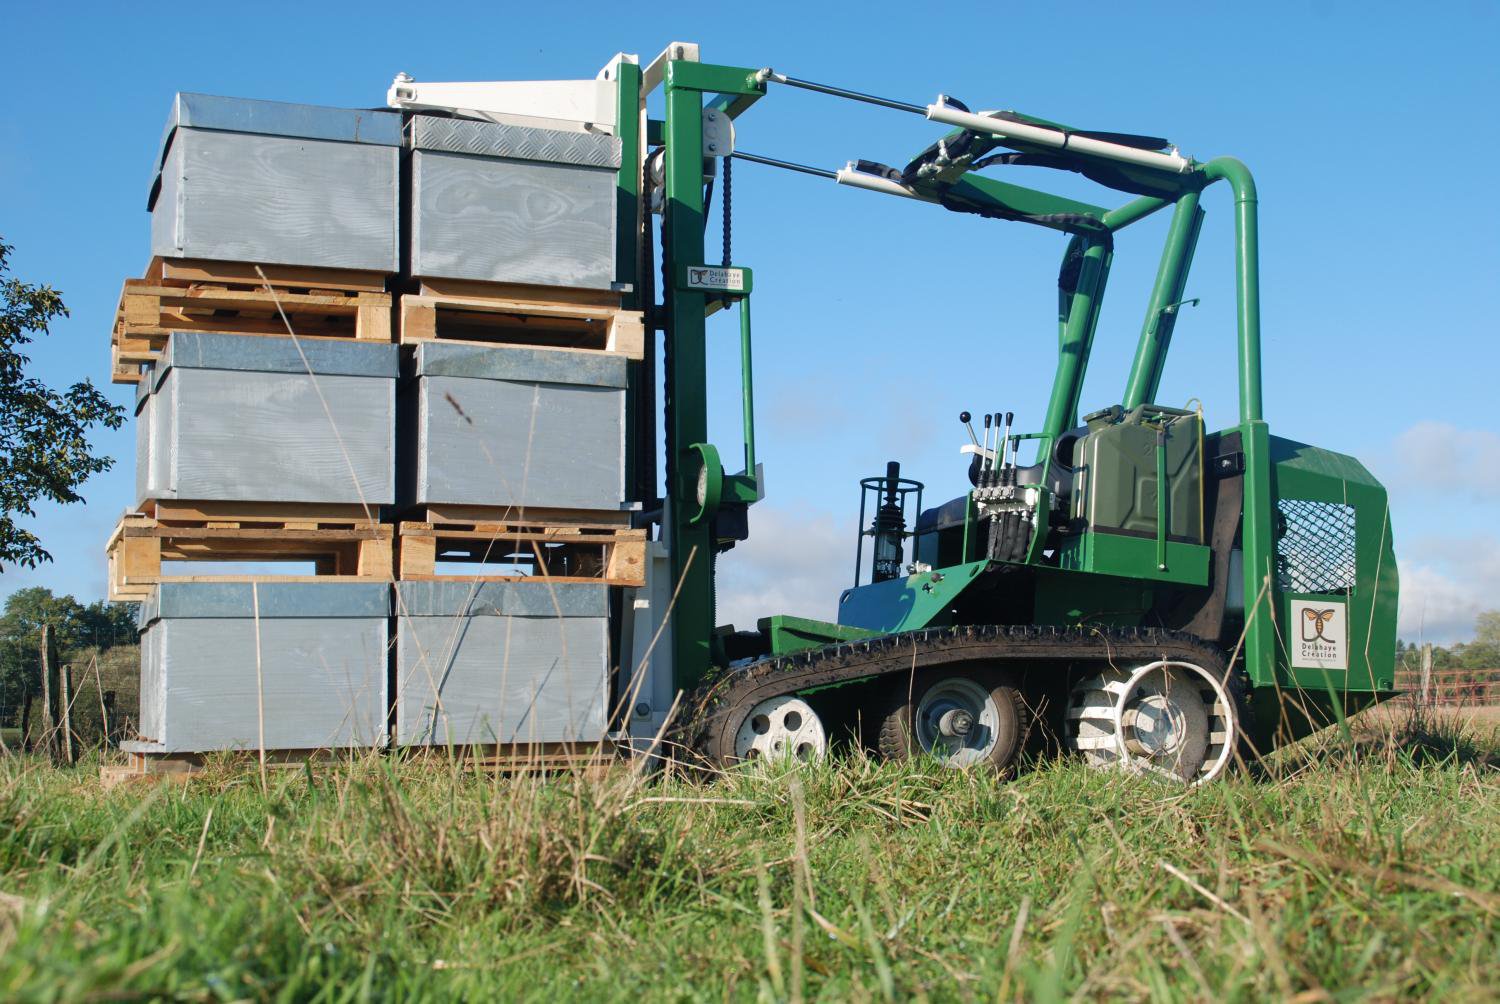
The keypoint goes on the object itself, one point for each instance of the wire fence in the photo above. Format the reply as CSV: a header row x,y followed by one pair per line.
x,y
1448,686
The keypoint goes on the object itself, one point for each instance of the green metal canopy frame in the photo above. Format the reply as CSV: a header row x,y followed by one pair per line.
x,y
690,87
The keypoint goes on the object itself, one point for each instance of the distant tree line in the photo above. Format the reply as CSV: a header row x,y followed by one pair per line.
x,y
1481,653
97,641
1465,673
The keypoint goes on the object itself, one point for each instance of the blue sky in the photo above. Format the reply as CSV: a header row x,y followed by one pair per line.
x,y
1370,128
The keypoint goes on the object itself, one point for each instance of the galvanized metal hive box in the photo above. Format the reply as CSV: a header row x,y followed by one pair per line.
x,y
501,662
514,426
508,203
258,418
322,666
266,181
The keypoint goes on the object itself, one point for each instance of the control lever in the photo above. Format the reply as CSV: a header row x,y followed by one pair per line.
x,y
984,456
1008,472
964,417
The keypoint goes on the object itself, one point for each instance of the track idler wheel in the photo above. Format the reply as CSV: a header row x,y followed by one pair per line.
x,y
777,728
962,717
1170,719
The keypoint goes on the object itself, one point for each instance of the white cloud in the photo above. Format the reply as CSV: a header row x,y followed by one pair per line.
x,y
1445,582
795,562
1450,460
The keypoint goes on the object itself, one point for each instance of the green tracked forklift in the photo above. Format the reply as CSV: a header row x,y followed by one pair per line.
x,y
1157,596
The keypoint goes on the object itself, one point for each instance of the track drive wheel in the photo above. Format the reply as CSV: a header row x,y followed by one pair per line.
x,y
1169,718
963,716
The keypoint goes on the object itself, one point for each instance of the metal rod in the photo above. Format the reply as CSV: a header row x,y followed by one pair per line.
x,y
859,538
1162,494
1010,417
875,183
748,386
1025,132
984,458
840,92
1171,281
786,165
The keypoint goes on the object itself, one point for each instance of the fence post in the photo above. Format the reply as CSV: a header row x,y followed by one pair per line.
x,y
1426,674
65,702
26,698
49,695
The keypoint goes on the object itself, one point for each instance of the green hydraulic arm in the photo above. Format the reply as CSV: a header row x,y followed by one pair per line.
x,y
1159,181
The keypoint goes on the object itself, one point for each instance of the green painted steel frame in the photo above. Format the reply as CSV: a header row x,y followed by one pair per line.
x,y
692,544
735,89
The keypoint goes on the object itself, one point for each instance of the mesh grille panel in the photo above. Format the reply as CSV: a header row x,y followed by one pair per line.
x,y
1315,546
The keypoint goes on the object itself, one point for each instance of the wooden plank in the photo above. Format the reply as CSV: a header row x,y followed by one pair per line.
x,y
245,273
432,286
587,580
290,534
554,534
443,513
178,510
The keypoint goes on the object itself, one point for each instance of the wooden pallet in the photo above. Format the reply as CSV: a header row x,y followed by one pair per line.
x,y
186,295
153,767
561,545
342,542
454,312
146,766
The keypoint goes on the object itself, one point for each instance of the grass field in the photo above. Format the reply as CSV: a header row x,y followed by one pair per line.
x,y
1361,867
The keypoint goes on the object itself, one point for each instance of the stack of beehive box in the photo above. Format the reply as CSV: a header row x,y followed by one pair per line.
x,y
379,345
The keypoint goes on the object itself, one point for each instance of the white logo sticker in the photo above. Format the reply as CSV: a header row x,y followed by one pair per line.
x,y
723,280
1319,634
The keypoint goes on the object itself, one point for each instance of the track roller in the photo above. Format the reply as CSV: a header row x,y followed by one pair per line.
x,y
781,727
1168,718
964,717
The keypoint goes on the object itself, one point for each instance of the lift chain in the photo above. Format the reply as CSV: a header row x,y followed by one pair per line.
x,y
728,190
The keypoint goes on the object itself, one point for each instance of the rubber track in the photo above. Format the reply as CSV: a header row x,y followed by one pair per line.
x,y
715,711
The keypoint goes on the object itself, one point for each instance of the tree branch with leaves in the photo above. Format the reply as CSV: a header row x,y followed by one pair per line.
x,y
44,449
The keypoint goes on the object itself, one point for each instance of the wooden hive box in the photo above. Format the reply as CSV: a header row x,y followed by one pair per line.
x,y
252,417
501,663
267,181
515,426
227,666
514,204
